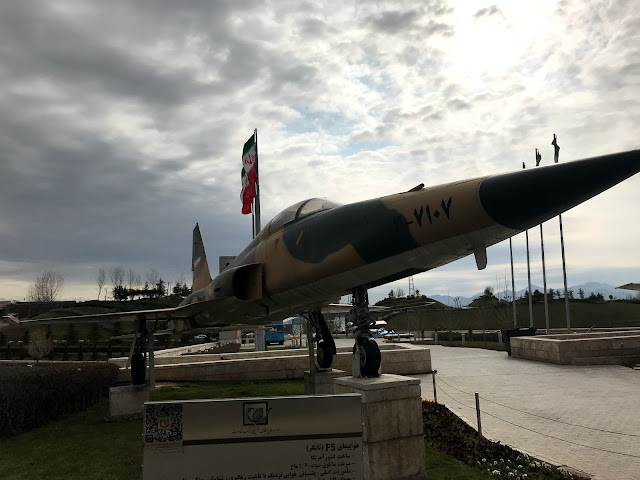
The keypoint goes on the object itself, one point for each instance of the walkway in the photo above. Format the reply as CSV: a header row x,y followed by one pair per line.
x,y
604,398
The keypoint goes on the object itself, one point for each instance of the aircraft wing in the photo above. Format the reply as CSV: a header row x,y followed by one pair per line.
x,y
346,308
169,313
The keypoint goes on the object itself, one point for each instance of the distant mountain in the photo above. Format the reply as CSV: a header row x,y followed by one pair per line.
x,y
603,288
590,287
449,300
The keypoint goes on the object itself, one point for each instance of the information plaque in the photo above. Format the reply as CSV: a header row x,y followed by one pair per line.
x,y
295,437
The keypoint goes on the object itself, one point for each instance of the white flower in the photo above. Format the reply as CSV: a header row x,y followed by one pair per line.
x,y
495,462
484,460
511,474
495,472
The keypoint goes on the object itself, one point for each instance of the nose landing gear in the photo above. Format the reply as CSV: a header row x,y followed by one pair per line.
x,y
366,353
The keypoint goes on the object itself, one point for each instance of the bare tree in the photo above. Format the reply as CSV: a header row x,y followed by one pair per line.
x,y
131,278
399,293
116,275
40,346
152,277
133,281
46,288
101,278
138,283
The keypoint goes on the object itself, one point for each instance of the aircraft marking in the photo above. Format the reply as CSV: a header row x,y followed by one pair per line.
x,y
446,208
299,237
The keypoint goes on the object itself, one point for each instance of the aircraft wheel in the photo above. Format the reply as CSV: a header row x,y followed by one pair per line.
x,y
137,369
369,356
324,355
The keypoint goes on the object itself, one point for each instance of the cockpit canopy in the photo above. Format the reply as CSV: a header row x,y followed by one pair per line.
x,y
299,210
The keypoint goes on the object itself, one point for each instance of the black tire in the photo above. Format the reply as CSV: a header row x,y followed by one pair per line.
x,y
138,369
369,356
324,355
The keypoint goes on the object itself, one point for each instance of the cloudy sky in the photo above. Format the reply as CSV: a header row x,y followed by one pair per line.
x,y
122,124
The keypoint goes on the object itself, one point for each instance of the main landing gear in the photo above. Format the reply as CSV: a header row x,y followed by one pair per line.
x,y
326,345
141,346
366,353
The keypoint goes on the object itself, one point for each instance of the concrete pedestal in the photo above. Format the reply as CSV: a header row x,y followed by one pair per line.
x,y
393,435
127,401
322,382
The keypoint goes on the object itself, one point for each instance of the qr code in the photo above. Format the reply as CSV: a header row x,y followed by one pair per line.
x,y
163,423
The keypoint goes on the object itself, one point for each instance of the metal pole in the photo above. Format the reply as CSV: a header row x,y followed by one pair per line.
x,y
556,157
529,277
152,371
257,199
435,393
513,286
544,279
312,362
564,275
478,413
529,267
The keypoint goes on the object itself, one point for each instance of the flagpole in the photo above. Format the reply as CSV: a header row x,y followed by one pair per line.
x,y
544,279
564,274
513,286
544,269
556,158
257,199
529,277
526,233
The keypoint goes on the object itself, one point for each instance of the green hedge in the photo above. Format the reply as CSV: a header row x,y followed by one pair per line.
x,y
30,396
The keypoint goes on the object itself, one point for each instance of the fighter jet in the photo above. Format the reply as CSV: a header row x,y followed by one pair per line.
x,y
315,251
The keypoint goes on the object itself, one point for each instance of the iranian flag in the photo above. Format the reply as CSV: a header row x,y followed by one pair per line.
x,y
249,174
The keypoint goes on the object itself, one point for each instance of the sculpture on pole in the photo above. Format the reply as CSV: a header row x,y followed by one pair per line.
x,y
556,148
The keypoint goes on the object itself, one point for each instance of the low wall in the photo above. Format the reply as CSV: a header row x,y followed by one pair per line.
x,y
275,365
179,355
599,348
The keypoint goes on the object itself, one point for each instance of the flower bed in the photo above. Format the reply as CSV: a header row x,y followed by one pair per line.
x,y
447,433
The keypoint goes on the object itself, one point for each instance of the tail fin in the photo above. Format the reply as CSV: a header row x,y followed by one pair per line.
x,y
199,265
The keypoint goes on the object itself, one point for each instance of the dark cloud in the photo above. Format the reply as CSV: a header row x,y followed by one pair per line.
x,y
488,12
395,21
458,104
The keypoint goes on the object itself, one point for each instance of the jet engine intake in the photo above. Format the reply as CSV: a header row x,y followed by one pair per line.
x,y
243,282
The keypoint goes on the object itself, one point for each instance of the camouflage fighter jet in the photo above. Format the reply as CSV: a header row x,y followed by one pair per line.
x,y
316,251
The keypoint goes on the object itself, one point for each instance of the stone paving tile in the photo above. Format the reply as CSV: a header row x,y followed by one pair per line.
x,y
600,397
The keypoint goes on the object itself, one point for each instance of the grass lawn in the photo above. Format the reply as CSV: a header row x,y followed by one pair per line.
x,y
82,446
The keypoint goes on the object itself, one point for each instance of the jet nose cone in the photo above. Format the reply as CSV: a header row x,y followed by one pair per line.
x,y
523,199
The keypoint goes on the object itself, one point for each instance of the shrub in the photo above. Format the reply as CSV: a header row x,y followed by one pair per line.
x,y
29,396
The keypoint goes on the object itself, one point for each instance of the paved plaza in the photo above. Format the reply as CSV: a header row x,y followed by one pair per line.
x,y
604,398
